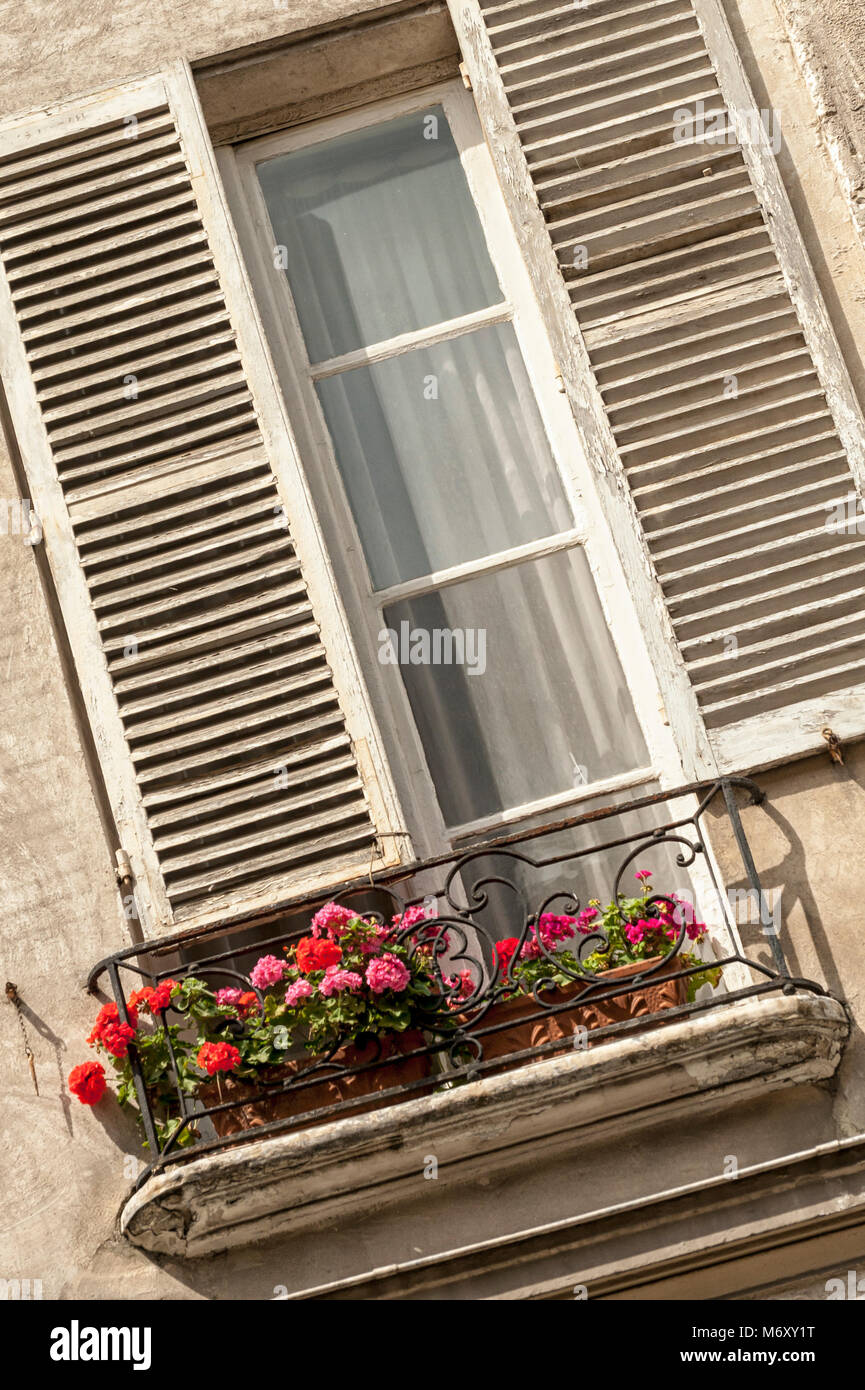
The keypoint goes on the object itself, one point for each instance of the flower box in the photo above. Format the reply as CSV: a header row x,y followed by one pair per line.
x,y
324,1091
651,996
363,993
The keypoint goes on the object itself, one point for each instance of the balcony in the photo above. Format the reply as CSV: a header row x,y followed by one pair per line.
x,y
495,1080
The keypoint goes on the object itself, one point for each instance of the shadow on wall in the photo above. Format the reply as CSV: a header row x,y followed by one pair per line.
x,y
807,839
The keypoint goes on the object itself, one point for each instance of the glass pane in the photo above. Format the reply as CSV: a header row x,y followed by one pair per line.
x,y
380,233
538,703
443,455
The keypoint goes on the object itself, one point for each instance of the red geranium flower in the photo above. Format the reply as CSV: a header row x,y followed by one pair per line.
x,y
161,996
87,1082
316,953
504,951
108,1014
115,1038
110,1033
214,1057
153,999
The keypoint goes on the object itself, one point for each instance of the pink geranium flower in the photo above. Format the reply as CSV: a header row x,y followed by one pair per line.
x,y
337,980
410,917
229,995
550,929
463,986
332,920
301,989
387,972
267,971
586,919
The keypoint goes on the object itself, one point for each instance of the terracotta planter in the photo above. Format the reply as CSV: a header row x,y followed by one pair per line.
x,y
327,1091
652,996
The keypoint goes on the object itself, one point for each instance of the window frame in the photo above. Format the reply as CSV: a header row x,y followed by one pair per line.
x,y
392,711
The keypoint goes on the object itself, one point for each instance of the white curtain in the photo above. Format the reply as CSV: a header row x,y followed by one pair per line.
x,y
444,459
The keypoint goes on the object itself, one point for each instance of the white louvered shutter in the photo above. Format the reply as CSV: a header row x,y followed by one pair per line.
x,y
696,352
174,516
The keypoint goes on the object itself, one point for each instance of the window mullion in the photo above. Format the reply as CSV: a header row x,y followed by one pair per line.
x,y
487,564
408,342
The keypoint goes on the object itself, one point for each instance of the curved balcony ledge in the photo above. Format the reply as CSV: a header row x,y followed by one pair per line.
x,y
294,1182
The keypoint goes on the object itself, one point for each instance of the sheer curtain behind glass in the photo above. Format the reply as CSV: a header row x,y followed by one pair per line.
x,y
445,461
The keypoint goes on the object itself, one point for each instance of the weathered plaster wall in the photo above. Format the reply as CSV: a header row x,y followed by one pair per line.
x,y
63,1166
53,49
808,842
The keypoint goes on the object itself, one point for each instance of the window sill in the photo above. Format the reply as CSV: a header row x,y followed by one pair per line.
x,y
287,1184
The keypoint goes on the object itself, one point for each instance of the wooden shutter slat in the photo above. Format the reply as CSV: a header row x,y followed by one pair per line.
x,y
821,676
654,517
192,593
251,549
606,46
234,417
128,329
297,846
277,686
183,798
171,271
539,99
48,205
701,606
639,457
92,280
216,548
179,641
343,796
765,345
709,646
555,80
522,20
674,277
79,240
159,687
235,742
178,824
172,412
101,406
125,300
311,656
799,456
101,254
113,140
99,417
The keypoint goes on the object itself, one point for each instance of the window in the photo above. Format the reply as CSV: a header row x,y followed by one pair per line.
x,y
437,438
483,442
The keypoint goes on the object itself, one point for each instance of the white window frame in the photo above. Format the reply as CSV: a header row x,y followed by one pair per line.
x,y
590,531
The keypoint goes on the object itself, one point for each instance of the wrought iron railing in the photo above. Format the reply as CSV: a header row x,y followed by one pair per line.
x,y
500,887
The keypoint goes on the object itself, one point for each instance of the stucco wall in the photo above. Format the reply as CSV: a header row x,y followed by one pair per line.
x,y
64,1166
829,42
53,49
808,842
